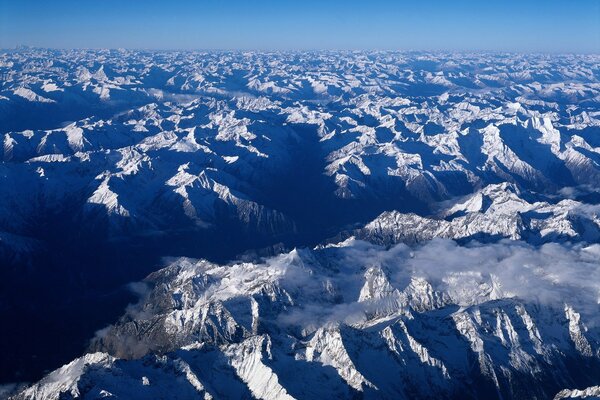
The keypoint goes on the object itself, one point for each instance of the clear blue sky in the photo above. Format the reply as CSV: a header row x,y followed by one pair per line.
x,y
505,25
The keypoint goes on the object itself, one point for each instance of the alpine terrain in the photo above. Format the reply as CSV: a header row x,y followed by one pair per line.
x,y
299,225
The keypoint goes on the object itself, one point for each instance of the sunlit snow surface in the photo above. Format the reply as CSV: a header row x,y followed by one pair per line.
x,y
445,208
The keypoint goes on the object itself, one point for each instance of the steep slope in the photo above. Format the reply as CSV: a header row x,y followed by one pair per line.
x,y
492,213
213,145
352,319
113,159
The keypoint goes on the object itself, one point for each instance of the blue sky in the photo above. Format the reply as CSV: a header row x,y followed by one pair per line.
x,y
502,25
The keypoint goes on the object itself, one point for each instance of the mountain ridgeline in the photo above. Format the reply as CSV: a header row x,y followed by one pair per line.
x,y
310,209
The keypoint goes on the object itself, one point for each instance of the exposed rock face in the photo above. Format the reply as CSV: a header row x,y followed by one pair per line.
x,y
592,393
437,320
494,212
214,146
487,165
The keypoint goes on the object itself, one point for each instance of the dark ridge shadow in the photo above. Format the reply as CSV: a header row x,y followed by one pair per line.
x,y
20,115
523,142
301,385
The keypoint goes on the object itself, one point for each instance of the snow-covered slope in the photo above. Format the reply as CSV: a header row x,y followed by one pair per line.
x,y
112,159
503,320
592,393
492,213
219,136
149,167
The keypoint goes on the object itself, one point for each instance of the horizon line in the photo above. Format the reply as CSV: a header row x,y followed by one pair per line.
x,y
301,50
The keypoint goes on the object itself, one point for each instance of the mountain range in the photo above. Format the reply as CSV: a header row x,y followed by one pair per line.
x,y
300,224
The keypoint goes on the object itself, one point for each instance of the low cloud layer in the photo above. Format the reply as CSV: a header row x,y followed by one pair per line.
x,y
551,275
313,288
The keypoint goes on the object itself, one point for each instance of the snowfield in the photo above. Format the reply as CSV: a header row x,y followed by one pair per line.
x,y
434,321
340,224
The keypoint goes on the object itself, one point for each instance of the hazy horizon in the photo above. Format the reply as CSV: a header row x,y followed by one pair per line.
x,y
306,50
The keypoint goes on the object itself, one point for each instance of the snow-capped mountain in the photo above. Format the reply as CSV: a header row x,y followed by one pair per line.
x,y
494,212
219,134
354,319
114,159
591,393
